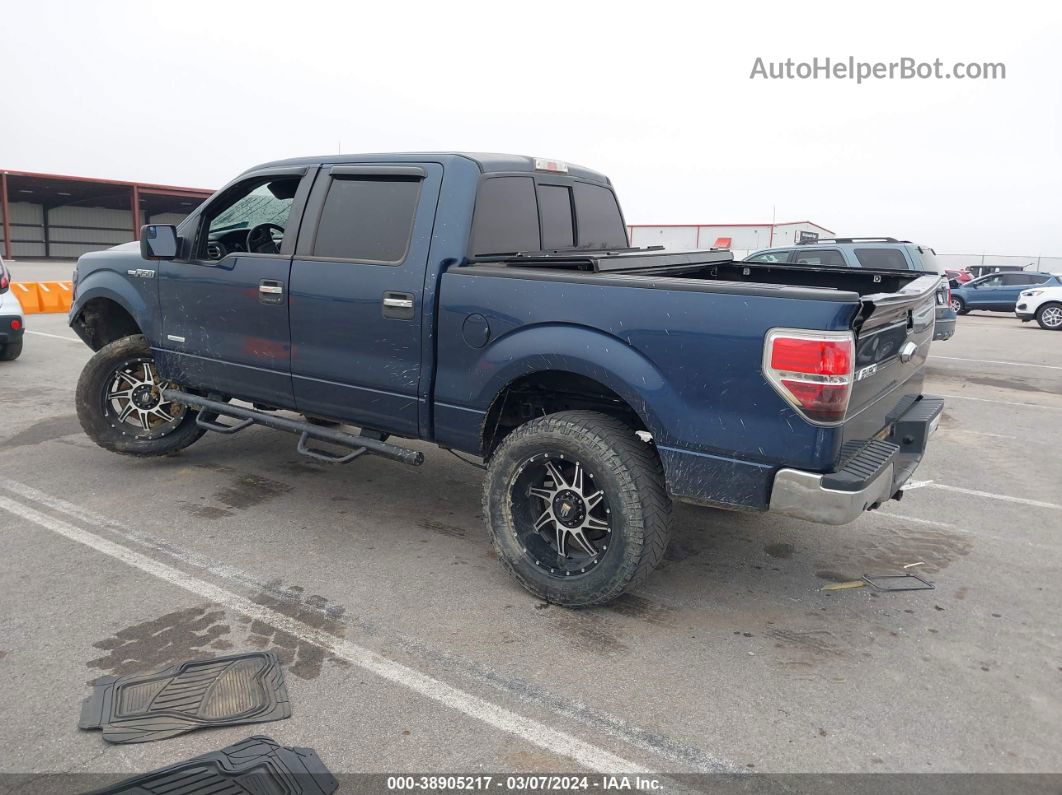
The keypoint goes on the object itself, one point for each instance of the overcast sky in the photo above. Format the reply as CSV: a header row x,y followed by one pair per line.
x,y
657,95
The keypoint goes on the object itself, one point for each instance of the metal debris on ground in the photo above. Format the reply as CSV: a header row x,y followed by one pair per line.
x,y
908,581
241,688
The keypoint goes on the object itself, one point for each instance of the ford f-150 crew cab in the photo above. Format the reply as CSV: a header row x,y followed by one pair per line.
x,y
491,304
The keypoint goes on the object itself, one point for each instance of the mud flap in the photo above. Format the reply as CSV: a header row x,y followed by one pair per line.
x,y
242,688
257,764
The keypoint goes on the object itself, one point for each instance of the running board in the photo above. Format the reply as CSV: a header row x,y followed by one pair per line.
x,y
357,444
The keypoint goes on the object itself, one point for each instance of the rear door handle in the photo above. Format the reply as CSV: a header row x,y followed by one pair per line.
x,y
398,306
270,291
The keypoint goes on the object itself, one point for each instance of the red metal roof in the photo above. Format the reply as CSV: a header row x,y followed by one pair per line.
x,y
144,186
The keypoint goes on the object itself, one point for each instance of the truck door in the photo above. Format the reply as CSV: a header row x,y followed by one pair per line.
x,y
357,284
225,307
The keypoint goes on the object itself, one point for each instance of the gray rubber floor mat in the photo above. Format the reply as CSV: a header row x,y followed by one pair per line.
x,y
257,765
242,688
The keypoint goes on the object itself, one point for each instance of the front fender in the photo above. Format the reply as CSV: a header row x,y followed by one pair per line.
x,y
139,301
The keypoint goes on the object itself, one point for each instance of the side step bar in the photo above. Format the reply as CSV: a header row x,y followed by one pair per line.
x,y
247,417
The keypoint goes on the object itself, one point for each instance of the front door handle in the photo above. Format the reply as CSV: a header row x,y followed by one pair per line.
x,y
270,291
398,306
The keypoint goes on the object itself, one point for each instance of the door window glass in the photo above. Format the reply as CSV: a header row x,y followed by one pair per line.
x,y
771,257
368,220
882,259
830,258
252,218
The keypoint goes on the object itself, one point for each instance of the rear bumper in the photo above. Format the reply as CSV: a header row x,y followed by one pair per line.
x,y
945,324
872,473
8,334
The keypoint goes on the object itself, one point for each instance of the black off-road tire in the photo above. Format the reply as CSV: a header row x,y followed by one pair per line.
x,y
10,351
627,469
1046,323
103,429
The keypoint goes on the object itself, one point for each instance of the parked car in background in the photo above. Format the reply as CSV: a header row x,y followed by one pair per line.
x,y
961,275
1042,304
11,320
870,253
998,292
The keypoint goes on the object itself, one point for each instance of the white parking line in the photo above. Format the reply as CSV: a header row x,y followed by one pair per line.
x,y
995,361
1000,402
552,740
1001,497
612,725
54,336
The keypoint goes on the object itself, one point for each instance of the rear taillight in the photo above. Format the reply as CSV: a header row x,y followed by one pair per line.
x,y
16,324
812,370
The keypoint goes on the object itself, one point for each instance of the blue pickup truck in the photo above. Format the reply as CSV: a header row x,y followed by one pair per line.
x,y
491,304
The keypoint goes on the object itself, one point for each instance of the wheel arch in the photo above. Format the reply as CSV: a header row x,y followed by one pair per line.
x,y
107,309
584,369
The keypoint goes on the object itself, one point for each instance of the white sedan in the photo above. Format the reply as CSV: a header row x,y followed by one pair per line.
x,y
11,320
1043,304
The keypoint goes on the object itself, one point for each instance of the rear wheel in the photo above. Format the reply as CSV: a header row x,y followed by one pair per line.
x,y
957,306
1049,316
120,404
10,351
576,507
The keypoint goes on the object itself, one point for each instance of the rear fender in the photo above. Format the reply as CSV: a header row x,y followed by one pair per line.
x,y
582,351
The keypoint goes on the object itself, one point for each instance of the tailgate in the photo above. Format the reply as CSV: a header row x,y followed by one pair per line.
x,y
894,331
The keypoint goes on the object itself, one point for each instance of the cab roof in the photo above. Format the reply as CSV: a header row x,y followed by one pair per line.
x,y
486,162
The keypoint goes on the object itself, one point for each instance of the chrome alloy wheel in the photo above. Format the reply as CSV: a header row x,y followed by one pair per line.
x,y
562,518
133,404
1052,316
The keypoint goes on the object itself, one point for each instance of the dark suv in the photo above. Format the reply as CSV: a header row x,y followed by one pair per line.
x,y
870,253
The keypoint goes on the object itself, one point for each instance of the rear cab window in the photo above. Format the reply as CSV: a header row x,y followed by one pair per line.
x,y
517,214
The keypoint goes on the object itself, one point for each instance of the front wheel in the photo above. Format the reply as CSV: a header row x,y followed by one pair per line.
x,y
1049,316
576,507
957,306
120,404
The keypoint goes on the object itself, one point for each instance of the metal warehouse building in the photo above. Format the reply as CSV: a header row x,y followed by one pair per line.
x,y
738,237
52,215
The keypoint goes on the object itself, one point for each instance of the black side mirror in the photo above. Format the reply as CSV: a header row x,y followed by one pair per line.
x,y
158,241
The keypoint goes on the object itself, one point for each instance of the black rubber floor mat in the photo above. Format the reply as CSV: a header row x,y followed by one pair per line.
x,y
257,765
243,688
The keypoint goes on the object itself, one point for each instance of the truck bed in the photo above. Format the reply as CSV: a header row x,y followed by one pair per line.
x,y
680,337
710,265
